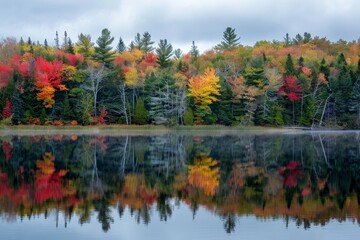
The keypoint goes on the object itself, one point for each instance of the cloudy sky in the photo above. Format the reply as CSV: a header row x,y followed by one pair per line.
x,y
181,21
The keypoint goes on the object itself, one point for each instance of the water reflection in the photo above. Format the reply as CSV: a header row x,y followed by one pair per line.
x,y
308,179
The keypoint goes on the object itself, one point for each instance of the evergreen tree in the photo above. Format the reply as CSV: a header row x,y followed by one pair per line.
x,y
66,41
84,44
342,91
164,53
307,37
289,66
230,40
178,54
29,41
194,51
141,115
66,111
46,44
324,68
298,39
57,44
340,60
21,41
146,43
43,116
188,117
70,47
301,61
103,49
17,107
137,43
120,46
354,103
287,40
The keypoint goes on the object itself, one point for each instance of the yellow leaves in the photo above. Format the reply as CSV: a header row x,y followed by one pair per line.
x,y
204,88
203,174
135,55
131,78
68,72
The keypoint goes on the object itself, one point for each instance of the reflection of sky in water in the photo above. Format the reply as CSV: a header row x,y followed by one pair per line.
x,y
180,225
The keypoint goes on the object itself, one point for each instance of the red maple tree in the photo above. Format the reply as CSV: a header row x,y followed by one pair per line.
x,y
291,88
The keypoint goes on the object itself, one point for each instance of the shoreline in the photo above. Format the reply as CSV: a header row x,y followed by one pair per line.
x,y
147,130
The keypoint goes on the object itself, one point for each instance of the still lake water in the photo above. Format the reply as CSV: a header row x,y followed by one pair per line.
x,y
181,186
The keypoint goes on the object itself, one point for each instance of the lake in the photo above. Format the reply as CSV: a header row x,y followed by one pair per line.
x,y
180,185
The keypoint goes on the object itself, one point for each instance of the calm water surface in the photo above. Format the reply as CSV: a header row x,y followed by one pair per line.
x,y
181,186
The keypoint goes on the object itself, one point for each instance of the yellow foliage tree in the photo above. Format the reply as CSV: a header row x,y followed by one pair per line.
x,y
205,90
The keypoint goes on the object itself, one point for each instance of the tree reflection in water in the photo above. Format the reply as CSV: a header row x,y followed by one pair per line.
x,y
305,178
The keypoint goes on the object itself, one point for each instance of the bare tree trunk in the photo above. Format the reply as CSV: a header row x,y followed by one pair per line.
x,y
123,100
323,112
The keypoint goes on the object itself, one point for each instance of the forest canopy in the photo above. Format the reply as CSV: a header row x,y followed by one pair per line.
x,y
301,81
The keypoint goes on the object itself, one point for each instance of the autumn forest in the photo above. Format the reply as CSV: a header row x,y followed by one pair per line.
x,y
297,81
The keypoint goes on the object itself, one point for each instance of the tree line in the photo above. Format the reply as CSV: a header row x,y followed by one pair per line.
x,y
304,81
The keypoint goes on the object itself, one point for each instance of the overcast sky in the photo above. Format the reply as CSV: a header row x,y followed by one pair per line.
x,y
180,21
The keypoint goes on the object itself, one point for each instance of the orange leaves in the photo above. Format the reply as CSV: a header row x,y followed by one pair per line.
x,y
203,174
46,95
306,71
48,77
204,88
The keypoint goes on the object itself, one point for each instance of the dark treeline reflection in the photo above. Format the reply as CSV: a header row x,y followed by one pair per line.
x,y
304,178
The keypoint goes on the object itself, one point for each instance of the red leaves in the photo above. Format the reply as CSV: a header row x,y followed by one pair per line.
x,y
119,61
48,77
150,58
4,75
291,173
19,65
47,73
291,88
101,118
7,111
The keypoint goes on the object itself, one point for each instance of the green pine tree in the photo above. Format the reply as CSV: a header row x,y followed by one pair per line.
x,y
289,66
66,110
120,46
84,44
103,51
164,53
146,43
17,107
230,40
141,115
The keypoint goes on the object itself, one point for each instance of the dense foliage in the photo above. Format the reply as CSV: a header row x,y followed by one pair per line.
x,y
305,81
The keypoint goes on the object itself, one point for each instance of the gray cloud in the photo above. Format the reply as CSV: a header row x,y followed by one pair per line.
x,y
181,22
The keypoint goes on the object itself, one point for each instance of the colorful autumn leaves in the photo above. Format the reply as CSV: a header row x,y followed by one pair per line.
x,y
205,90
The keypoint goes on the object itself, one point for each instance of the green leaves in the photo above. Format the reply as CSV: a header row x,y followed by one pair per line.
x,y
164,52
